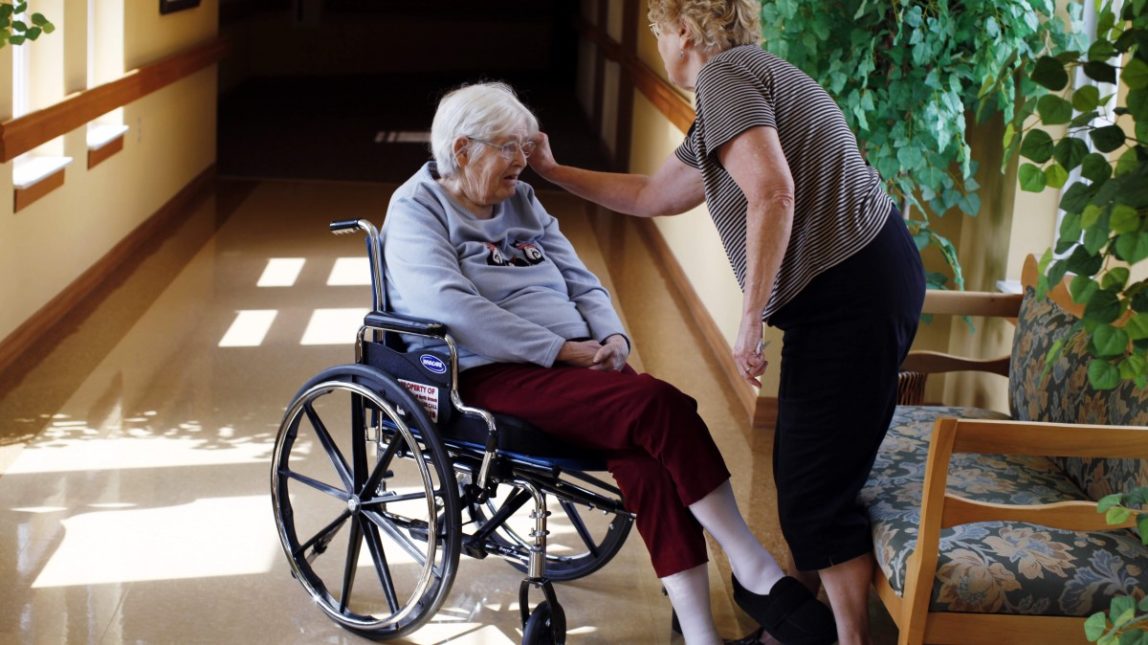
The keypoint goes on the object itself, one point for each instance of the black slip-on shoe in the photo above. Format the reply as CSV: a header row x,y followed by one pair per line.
x,y
789,613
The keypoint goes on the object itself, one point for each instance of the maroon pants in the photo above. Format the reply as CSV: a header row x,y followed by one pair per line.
x,y
656,446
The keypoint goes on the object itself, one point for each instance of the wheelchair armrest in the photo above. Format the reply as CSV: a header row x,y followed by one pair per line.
x,y
405,325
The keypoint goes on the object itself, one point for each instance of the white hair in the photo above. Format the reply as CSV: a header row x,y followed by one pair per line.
x,y
483,111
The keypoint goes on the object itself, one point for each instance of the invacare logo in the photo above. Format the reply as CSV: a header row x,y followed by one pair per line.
x,y
433,363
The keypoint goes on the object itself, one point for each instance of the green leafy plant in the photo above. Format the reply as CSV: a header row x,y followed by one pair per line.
x,y
1126,622
1104,230
14,29
909,75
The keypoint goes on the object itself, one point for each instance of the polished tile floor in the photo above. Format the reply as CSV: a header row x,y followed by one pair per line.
x,y
135,445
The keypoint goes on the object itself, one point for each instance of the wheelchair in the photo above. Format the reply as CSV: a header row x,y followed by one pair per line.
x,y
382,477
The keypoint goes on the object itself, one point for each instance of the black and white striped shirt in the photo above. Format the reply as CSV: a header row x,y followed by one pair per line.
x,y
839,202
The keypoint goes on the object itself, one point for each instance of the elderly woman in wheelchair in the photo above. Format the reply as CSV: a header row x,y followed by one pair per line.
x,y
534,340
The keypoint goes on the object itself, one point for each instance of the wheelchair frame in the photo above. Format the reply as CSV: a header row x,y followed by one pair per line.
x,y
383,509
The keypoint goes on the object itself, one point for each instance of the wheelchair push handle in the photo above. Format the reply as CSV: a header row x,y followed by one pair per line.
x,y
342,226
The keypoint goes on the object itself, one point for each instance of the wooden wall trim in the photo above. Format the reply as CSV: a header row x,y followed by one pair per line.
x,y
24,197
52,315
656,89
22,134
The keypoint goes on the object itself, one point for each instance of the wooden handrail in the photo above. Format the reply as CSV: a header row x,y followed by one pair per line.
x,y
22,134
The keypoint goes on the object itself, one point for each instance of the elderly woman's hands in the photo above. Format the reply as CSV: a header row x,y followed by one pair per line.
x,y
610,354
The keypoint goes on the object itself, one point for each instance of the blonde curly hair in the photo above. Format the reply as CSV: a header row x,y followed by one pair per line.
x,y
715,25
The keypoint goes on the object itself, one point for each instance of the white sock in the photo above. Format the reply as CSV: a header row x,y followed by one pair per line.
x,y
689,593
753,566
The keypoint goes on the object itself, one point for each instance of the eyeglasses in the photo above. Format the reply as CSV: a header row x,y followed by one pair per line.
x,y
509,150
657,29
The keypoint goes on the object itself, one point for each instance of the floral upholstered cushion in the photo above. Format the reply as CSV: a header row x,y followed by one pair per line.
x,y
994,567
1064,395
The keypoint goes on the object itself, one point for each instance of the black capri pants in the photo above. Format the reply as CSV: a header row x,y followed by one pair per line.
x,y
845,336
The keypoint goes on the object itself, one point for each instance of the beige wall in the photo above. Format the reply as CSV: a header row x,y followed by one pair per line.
x,y
49,244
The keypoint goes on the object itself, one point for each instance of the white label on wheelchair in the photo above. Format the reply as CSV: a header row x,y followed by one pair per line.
x,y
426,394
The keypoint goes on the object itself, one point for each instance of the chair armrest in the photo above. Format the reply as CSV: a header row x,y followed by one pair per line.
x,y
926,362
997,436
972,303
405,325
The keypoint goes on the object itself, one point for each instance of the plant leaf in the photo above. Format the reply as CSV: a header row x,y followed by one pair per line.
x,y
1103,307
1137,326
1124,219
1050,73
1055,176
1132,247
1032,178
1086,99
1099,71
1095,167
1115,279
1135,74
1095,626
1103,376
1070,152
1108,138
1037,146
1108,501
1054,110
1109,341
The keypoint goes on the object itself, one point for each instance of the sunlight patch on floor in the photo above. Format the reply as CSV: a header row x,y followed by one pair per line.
x,y
66,455
206,538
333,326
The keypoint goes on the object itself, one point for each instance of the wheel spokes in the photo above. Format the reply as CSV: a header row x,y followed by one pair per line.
x,y
379,557
390,525
354,543
314,483
329,445
382,467
325,535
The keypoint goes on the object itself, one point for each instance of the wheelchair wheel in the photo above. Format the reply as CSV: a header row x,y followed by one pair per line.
x,y
366,502
546,626
581,540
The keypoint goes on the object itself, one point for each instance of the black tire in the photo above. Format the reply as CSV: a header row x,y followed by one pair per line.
x,y
397,497
546,625
581,540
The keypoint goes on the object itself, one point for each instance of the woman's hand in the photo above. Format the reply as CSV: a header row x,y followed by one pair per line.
x,y
542,159
748,351
579,353
611,354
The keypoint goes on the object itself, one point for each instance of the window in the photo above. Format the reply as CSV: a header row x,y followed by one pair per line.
x,y
105,64
38,82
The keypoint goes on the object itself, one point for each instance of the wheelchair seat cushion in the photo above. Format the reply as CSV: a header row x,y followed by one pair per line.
x,y
519,438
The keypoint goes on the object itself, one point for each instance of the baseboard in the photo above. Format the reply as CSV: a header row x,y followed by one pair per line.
x,y
48,318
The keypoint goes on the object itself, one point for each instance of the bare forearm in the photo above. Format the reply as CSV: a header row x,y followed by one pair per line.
x,y
620,192
768,227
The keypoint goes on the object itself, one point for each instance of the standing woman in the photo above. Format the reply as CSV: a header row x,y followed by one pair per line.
x,y
820,252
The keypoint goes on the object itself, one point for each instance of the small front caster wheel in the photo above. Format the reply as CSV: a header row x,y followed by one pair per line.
x,y
546,625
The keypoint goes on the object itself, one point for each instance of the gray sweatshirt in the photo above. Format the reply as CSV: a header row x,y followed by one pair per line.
x,y
510,289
